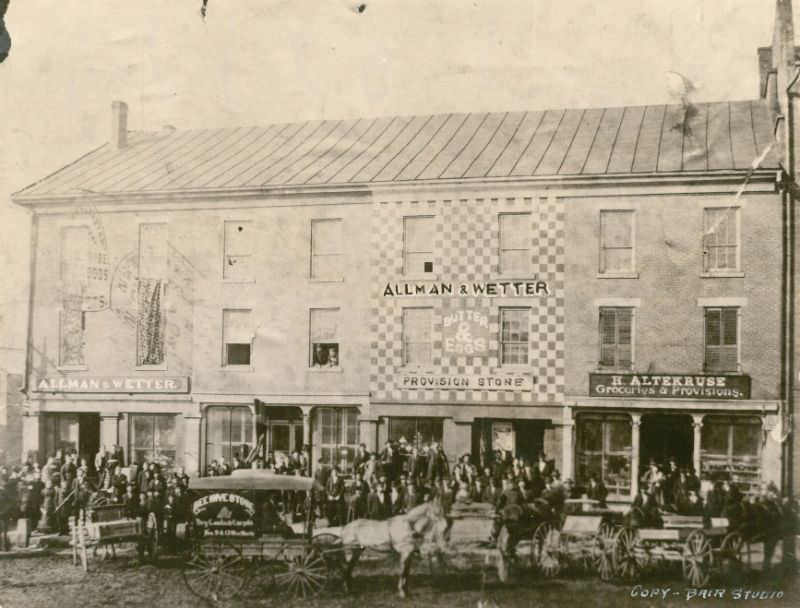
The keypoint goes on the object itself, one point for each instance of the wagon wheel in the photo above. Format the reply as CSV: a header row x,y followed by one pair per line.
x,y
623,555
330,548
546,549
303,575
730,556
698,559
218,576
603,552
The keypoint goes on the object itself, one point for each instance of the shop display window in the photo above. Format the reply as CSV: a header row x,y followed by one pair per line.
x,y
604,447
338,435
153,439
731,450
419,432
229,431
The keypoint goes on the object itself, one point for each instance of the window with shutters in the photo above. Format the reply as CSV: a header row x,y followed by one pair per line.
x,y
418,235
417,328
616,242
515,243
721,239
722,339
238,256
514,336
74,281
324,344
326,249
616,337
150,318
237,338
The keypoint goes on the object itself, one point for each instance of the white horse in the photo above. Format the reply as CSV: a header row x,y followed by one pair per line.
x,y
423,530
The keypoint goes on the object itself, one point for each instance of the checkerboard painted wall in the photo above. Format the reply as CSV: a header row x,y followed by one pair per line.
x,y
466,249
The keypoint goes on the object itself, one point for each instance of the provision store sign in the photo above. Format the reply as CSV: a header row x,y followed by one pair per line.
x,y
113,384
670,386
449,382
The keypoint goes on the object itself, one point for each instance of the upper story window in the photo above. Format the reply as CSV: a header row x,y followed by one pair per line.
x,y
153,251
74,259
616,242
238,246
326,249
722,339
514,336
150,319
418,235
237,337
417,336
616,337
515,243
324,343
721,239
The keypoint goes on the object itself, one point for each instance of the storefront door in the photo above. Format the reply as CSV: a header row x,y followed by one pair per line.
x,y
72,432
664,437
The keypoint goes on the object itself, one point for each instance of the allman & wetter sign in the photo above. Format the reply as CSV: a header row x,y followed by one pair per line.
x,y
670,386
113,384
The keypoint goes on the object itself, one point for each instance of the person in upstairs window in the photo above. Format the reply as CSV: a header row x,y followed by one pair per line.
x,y
320,356
333,356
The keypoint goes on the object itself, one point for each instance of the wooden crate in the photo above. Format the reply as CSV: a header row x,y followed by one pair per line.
x,y
105,531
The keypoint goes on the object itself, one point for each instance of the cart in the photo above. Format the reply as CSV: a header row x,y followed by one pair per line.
x,y
235,534
585,539
700,550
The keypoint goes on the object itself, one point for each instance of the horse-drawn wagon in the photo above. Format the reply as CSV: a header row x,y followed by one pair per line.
x,y
235,532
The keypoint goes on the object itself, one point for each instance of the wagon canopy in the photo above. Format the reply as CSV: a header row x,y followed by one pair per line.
x,y
251,479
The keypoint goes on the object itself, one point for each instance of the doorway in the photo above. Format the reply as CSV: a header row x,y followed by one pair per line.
x,y
666,436
79,433
521,438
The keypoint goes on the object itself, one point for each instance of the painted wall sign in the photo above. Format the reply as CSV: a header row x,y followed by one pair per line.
x,y
113,384
670,386
465,332
224,514
516,289
495,382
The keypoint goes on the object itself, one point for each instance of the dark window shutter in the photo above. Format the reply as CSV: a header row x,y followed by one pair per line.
x,y
607,337
624,337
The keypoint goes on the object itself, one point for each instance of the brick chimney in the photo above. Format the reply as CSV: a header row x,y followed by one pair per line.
x,y
119,125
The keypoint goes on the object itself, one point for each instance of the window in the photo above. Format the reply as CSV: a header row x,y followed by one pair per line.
x,y
326,249
616,242
238,245
324,324
71,340
419,432
229,431
514,336
418,235
417,325
74,260
604,448
515,255
722,344
721,239
616,331
152,251
731,449
237,337
152,439
338,433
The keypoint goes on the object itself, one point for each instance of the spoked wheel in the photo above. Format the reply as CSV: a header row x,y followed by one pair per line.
x,y
603,552
330,548
730,556
546,549
217,576
303,575
698,559
623,555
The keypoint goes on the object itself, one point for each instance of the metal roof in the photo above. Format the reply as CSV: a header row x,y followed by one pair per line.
x,y
718,136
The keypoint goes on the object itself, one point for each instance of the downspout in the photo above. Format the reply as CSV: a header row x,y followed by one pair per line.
x,y
31,292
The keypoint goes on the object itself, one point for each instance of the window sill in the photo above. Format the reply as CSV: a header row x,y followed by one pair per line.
x,y
421,277
605,369
734,372
325,370
326,280
617,275
722,274
152,368
73,368
512,368
413,369
238,281
237,368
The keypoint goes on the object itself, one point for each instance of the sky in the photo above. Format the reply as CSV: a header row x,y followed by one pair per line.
x,y
255,62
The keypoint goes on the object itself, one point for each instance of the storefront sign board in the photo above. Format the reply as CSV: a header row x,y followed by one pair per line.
x,y
491,289
113,384
498,382
670,386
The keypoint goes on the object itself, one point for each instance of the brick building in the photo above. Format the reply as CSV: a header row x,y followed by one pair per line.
x,y
606,285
